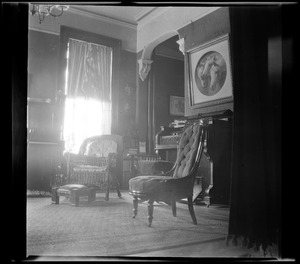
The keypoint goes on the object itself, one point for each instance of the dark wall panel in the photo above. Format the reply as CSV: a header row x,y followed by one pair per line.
x,y
169,80
127,95
205,29
197,33
45,118
43,50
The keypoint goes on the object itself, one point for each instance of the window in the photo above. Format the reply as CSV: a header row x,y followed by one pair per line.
x,y
88,92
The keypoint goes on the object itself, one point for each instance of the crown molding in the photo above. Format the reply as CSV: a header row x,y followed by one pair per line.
x,y
43,30
200,15
142,14
152,15
102,18
129,50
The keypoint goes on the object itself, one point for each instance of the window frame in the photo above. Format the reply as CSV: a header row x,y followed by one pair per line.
x,y
65,34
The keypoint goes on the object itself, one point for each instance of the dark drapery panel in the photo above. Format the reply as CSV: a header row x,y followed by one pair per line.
x,y
255,214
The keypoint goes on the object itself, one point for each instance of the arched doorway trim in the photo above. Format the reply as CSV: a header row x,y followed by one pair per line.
x,y
145,61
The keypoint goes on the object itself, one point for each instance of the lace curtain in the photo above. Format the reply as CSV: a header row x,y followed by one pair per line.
x,y
88,90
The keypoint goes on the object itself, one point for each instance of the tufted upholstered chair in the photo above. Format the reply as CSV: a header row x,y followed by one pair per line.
x,y
153,167
98,164
176,184
147,164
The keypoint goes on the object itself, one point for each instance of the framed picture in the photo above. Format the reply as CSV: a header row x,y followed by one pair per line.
x,y
176,105
209,78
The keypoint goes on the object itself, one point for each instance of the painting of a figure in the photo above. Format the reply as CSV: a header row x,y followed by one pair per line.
x,y
210,73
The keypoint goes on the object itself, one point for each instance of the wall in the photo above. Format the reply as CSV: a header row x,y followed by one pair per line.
x,y
43,50
169,80
88,22
142,104
197,33
46,118
168,20
127,94
206,28
213,22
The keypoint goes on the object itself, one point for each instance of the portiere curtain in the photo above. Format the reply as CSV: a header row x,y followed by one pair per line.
x,y
255,212
88,90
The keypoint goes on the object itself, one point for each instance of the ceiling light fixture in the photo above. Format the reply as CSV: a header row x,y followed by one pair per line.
x,y
45,10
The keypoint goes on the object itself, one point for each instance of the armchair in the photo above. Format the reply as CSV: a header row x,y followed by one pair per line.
x,y
98,164
178,183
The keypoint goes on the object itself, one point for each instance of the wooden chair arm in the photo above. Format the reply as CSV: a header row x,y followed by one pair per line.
x,y
170,172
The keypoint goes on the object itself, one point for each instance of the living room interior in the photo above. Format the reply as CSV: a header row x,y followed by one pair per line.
x,y
149,59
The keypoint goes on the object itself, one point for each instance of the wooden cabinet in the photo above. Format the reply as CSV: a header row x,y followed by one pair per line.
x,y
44,144
43,159
215,164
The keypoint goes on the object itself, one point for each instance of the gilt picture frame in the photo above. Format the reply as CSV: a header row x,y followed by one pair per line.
x,y
209,74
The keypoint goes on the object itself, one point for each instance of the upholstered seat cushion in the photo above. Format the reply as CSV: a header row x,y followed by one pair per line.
x,y
148,184
66,189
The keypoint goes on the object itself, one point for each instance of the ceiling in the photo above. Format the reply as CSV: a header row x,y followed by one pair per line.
x,y
132,15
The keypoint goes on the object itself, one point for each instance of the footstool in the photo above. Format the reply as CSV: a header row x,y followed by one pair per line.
x,y
74,191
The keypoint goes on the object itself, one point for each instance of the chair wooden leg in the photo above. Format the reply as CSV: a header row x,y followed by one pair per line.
x,y
135,207
174,208
90,197
93,194
119,193
55,196
117,185
75,197
191,209
107,192
150,212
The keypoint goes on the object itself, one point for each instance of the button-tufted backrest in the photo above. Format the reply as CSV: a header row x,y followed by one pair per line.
x,y
101,146
187,151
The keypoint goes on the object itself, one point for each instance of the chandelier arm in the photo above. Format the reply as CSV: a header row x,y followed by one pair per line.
x,y
44,10
54,15
41,17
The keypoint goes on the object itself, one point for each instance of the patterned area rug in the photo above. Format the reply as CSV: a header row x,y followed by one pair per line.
x,y
107,228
